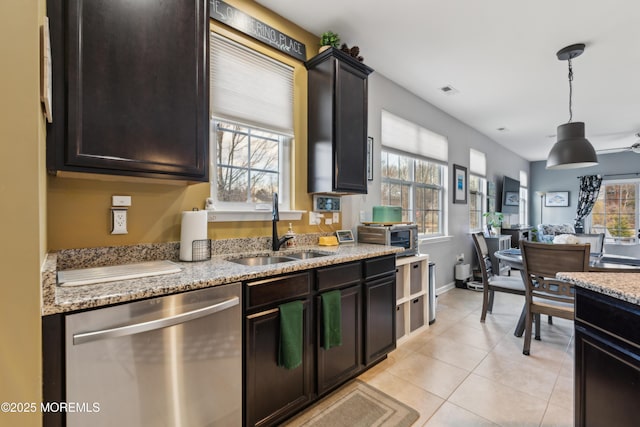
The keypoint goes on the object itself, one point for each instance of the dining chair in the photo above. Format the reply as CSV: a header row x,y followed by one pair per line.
x,y
596,240
492,283
544,294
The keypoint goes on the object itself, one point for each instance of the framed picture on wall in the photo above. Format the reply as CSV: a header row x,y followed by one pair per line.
x,y
554,199
459,184
512,198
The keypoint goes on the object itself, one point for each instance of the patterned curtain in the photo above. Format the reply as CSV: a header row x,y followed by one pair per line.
x,y
589,189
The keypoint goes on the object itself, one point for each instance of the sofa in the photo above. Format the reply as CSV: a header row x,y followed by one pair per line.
x,y
546,232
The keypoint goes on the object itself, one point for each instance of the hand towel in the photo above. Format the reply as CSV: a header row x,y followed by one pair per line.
x,y
290,345
331,319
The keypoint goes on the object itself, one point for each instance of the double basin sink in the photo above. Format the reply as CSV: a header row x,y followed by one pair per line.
x,y
275,259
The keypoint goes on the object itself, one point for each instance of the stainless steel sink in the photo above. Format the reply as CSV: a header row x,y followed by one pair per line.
x,y
262,260
275,259
307,255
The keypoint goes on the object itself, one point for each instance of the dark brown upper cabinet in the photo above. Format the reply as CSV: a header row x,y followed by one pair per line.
x,y
337,155
130,88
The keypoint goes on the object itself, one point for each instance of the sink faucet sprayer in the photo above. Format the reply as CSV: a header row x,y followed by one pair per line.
x,y
276,242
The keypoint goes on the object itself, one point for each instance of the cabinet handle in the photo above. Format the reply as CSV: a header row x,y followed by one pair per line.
x,y
415,300
416,266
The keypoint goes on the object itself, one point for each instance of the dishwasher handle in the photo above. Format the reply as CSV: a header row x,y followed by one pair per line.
x,y
151,325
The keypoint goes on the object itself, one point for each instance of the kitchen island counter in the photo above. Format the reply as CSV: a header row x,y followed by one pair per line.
x,y
622,286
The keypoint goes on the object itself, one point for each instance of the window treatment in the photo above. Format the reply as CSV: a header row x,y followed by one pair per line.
x,y
589,189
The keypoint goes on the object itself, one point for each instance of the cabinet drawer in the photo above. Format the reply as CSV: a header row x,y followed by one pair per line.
x,y
272,291
416,277
339,275
379,266
417,313
613,316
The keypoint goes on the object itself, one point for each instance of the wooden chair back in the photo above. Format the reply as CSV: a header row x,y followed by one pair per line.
x,y
542,261
482,250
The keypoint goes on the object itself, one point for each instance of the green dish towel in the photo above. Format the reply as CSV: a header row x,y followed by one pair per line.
x,y
290,346
331,319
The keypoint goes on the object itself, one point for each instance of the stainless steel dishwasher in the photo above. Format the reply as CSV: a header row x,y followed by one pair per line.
x,y
166,361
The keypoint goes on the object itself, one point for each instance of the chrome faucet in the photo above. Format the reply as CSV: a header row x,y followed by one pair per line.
x,y
276,242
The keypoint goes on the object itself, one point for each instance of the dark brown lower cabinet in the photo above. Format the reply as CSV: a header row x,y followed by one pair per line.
x,y
607,361
273,393
367,288
379,308
338,364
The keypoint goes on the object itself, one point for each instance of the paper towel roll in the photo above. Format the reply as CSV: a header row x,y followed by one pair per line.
x,y
194,227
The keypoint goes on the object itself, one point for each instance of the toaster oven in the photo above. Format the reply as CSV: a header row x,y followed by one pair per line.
x,y
401,235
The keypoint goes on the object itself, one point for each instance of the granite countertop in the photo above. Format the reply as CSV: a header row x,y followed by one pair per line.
x,y
623,286
194,275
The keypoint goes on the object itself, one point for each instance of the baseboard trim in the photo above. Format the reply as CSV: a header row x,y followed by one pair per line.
x,y
445,288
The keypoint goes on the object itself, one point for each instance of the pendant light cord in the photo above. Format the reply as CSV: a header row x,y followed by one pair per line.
x,y
570,91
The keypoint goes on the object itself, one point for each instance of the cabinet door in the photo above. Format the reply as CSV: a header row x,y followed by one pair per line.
x,y
132,96
380,318
338,364
350,130
273,392
607,380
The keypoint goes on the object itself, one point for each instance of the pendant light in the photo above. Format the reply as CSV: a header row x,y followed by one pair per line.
x,y
572,150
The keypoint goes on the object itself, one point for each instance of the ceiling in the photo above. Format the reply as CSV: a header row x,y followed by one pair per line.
x,y
500,56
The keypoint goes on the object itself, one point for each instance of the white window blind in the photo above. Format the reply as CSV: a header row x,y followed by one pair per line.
x,y
523,179
477,162
411,138
249,87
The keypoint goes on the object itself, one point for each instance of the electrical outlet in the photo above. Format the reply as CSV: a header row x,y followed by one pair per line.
x,y
336,217
315,218
328,221
119,221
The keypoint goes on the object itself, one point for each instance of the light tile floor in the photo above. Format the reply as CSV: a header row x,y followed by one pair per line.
x,y
461,372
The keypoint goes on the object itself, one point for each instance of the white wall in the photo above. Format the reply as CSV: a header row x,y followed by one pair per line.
x,y
385,94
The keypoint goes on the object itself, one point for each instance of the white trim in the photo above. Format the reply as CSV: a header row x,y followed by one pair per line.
x,y
446,288
438,239
228,216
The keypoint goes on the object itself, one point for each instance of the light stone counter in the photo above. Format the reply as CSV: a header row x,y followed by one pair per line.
x,y
623,286
194,275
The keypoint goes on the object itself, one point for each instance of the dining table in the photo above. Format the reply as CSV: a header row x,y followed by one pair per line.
x,y
598,262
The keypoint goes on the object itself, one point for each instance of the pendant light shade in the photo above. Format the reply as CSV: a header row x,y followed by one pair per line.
x,y
572,150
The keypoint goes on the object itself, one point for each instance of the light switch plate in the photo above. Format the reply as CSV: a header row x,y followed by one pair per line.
x,y
120,200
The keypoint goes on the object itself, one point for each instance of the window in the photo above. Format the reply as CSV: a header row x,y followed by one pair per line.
x,y
615,212
524,196
248,163
477,184
476,202
414,172
416,184
251,127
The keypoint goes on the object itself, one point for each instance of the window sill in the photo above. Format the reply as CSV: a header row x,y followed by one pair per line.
x,y
232,216
439,239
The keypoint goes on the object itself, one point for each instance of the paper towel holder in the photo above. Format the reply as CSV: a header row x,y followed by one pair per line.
x,y
200,250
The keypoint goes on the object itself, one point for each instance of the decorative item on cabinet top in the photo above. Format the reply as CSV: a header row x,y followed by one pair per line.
x,y
329,39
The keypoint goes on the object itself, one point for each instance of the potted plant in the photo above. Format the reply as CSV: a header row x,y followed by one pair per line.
x,y
329,39
494,222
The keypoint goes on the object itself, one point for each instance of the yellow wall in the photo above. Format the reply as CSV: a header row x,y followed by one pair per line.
x,y
78,209
22,208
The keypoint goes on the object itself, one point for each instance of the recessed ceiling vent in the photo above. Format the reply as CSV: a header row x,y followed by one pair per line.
x,y
449,90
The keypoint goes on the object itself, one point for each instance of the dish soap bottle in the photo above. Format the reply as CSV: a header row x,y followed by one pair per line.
x,y
290,233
